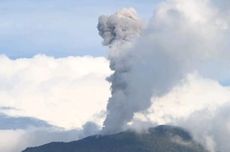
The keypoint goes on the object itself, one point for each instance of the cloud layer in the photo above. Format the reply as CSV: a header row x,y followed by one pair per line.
x,y
46,88
65,92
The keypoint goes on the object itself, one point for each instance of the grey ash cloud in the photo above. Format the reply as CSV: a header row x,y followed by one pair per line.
x,y
182,38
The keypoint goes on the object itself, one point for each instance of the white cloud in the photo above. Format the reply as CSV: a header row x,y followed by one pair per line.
x,y
66,92
198,104
192,95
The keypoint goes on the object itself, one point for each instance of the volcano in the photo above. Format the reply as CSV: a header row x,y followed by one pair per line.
x,y
162,138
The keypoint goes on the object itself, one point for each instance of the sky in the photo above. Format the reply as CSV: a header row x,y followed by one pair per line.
x,y
56,27
56,76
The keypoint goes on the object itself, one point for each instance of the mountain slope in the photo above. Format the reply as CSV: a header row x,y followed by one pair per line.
x,y
158,139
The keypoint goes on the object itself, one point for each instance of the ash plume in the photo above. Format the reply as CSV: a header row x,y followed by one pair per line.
x,y
120,28
136,75
181,37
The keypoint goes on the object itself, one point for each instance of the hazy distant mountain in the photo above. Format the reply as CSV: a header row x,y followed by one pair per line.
x,y
11,122
158,139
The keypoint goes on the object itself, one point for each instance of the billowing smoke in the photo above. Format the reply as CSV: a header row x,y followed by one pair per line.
x,y
119,31
211,128
182,37
120,28
198,104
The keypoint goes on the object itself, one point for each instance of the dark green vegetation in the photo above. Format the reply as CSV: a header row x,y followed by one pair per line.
x,y
158,139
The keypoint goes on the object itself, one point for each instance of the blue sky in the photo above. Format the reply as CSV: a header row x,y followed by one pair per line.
x,y
57,27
